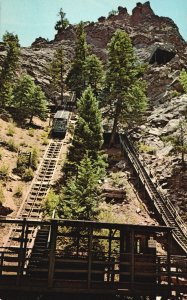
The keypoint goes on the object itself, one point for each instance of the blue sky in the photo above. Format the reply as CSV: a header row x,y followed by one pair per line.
x,y
33,18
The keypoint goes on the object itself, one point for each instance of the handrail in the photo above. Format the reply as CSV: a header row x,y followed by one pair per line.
x,y
49,235
167,209
168,203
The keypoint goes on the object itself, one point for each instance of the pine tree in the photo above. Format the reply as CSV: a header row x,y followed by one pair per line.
x,y
125,89
94,73
9,68
57,72
22,96
88,134
183,80
80,199
38,104
75,78
29,99
63,22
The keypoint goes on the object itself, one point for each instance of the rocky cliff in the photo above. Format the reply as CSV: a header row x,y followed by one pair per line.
x,y
158,43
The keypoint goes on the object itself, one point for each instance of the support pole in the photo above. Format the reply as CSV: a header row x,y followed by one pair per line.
x,y
90,235
21,257
132,258
54,227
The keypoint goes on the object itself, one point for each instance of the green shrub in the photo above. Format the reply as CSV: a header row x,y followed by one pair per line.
x,y
175,94
22,161
19,191
146,148
5,115
44,138
116,179
51,202
2,196
23,144
45,141
34,158
47,129
31,132
4,171
12,146
28,175
10,130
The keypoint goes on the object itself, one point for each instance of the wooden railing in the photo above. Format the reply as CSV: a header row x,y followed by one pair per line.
x,y
162,204
86,268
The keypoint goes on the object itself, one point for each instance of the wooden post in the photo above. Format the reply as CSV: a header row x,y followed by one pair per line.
x,y
144,190
90,234
169,242
1,266
132,258
54,227
109,255
21,258
158,271
24,248
138,187
30,159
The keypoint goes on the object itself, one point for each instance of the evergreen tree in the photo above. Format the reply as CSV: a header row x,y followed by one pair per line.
x,y
94,73
22,96
80,199
63,22
29,99
125,89
88,134
183,80
57,72
75,78
9,68
38,105
178,140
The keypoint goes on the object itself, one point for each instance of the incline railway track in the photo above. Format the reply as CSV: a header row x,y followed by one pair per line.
x,y
163,205
32,206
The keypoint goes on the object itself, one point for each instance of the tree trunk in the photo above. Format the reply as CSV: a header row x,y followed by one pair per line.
x,y
115,124
182,144
31,117
62,84
113,134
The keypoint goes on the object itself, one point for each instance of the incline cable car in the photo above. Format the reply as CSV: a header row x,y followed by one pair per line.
x,y
60,122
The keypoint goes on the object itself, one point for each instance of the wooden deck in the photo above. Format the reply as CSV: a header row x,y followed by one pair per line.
x,y
69,257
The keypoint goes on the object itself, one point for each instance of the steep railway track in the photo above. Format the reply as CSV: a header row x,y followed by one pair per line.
x,y
163,205
32,206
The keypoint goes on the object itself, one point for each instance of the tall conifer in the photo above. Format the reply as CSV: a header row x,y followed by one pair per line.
x,y
57,72
80,199
29,99
75,79
8,68
88,136
125,88
94,73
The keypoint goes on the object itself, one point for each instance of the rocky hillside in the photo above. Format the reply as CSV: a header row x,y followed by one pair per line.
x,y
158,43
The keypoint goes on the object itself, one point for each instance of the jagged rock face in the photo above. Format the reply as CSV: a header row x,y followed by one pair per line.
x,y
156,40
165,165
141,12
147,31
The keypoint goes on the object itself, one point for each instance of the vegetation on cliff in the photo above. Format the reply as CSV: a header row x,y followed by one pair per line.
x,y
125,90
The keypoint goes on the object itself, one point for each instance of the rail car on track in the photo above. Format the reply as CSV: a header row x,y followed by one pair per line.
x,y
60,123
